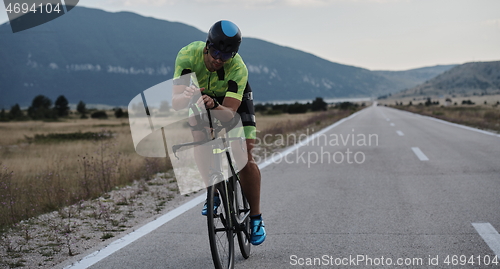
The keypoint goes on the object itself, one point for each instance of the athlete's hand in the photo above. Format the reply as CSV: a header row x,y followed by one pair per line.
x,y
207,101
190,91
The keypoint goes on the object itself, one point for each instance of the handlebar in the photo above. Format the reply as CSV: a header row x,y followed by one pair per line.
x,y
215,125
177,147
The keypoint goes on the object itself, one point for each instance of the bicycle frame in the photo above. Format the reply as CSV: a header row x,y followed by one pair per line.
x,y
219,146
235,219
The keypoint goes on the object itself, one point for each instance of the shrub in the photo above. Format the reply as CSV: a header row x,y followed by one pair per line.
x,y
99,115
274,112
260,108
319,104
298,108
120,114
346,105
56,137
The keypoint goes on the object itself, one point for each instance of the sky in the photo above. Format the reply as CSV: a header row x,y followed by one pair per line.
x,y
372,34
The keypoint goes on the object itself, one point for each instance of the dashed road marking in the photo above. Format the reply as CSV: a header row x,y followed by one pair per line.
x,y
489,235
392,124
400,133
419,154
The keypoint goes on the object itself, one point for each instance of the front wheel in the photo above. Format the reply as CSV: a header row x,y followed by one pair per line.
x,y
220,231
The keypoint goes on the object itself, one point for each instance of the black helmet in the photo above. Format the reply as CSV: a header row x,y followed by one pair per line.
x,y
224,36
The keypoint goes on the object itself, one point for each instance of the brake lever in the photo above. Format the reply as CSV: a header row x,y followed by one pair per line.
x,y
174,149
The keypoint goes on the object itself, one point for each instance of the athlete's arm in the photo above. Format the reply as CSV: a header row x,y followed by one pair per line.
x,y
225,111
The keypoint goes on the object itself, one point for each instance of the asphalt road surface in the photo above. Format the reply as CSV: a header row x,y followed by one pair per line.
x,y
381,188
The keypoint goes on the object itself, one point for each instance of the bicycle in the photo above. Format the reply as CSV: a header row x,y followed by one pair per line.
x,y
233,215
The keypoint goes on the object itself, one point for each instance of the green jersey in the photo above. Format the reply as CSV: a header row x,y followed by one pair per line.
x,y
229,81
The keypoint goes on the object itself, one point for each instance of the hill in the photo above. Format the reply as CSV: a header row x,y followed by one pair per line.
x,y
475,78
108,58
410,78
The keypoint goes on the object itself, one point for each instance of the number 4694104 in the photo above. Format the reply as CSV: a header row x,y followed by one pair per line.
x,y
25,8
471,260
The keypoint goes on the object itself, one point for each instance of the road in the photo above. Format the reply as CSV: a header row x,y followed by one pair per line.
x,y
406,190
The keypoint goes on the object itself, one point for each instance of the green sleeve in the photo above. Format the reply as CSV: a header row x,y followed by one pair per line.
x,y
240,76
182,61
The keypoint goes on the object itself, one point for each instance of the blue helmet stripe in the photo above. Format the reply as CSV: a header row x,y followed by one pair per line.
x,y
229,28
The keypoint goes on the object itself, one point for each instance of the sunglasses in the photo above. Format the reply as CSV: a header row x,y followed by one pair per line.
x,y
217,54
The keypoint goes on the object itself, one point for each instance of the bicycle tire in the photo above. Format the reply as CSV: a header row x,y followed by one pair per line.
x,y
243,219
220,229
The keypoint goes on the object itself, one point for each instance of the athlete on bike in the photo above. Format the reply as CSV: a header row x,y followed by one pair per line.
x,y
223,79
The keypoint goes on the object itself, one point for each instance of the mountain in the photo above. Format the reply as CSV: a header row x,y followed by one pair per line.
x,y
89,55
413,77
475,78
108,58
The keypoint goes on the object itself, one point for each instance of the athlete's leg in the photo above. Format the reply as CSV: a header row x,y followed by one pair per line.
x,y
251,181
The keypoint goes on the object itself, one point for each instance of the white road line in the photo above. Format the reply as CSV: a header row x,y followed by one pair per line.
x,y
118,244
392,124
419,154
383,114
400,133
489,235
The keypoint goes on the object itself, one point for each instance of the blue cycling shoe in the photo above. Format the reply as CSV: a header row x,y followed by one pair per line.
x,y
204,211
258,232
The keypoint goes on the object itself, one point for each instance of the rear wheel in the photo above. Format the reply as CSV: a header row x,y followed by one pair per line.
x,y
220,231
243,218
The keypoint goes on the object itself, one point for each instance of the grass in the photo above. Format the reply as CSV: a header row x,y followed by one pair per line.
x,y
277,125
46,166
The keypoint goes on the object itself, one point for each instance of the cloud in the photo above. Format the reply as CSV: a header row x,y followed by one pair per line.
x,y
249,4
320,3
156,3
495,23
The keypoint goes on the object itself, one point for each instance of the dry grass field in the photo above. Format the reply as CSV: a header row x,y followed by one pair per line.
x,y
481,112
477,99
39,175
42,170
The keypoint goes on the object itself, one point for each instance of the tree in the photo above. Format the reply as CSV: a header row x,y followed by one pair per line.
x,y
3,115
81,109
319,105
16,113
61,106
40,108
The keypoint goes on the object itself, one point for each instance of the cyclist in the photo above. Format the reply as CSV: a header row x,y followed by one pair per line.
x,y
223,78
